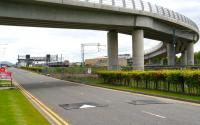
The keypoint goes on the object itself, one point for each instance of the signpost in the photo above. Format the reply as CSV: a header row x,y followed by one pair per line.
x,y
5,75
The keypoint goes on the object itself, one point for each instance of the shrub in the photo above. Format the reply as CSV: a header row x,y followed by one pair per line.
x,y
34,69
174,80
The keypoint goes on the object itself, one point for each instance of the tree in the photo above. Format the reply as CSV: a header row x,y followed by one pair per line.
x,y
197,58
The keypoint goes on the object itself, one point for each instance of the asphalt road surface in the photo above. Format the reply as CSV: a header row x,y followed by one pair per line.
x,y
112,107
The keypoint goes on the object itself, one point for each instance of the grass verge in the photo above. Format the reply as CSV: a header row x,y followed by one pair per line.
x,y
99,83
15,109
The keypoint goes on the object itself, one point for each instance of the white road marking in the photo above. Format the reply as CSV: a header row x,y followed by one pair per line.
x,y
87,106
154,114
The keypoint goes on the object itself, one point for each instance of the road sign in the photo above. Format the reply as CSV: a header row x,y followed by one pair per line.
x,y
2,69
6,75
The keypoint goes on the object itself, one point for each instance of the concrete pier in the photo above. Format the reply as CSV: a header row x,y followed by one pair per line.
x,y
184,58
190,53
112,46
170,54
138,49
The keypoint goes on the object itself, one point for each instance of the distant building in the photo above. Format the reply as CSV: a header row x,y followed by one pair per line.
x,y
48,60
100,61
75,64
21,63
103,61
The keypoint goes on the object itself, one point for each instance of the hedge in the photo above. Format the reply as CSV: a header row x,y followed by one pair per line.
x,y
68,70
180,81
34,69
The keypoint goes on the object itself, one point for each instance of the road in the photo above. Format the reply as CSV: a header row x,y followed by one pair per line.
x,y
113,107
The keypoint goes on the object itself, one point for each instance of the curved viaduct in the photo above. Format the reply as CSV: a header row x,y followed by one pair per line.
x,y
134,17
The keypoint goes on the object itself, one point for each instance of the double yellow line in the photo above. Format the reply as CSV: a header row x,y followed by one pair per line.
x,y
48,112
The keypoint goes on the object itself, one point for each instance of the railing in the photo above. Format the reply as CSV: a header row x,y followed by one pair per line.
x,y
145,6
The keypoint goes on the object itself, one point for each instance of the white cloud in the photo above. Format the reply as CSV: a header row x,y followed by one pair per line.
x,y
42,41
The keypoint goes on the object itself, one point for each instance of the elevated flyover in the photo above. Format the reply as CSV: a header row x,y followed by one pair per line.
x,y
155,51
135,17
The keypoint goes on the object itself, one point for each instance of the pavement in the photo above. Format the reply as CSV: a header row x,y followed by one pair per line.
x,y
87,105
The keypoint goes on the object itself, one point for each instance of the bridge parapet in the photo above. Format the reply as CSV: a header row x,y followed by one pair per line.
x,y
146,7
155,48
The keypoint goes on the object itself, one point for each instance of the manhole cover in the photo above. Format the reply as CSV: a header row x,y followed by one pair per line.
x,y
84,105
146,102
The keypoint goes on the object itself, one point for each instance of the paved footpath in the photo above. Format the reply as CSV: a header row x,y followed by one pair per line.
x,y
87,105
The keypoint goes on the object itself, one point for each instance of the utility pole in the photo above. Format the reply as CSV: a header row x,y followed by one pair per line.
x,y
83,50
82,54
3,49
61,58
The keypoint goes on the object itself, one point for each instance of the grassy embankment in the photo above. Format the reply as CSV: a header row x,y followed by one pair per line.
x,y
15,109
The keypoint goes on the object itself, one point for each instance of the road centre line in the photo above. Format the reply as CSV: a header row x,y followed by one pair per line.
x,y
160,116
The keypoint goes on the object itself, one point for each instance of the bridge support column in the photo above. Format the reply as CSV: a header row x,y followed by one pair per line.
x,y
190,53
184,58
171,54
112,46
138,49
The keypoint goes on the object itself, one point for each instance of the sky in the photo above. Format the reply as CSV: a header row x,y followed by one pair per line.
x,y
16,41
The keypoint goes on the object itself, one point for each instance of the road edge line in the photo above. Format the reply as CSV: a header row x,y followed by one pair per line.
x,y
52,115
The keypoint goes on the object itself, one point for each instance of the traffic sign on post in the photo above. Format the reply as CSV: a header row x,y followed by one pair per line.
x,y
5,75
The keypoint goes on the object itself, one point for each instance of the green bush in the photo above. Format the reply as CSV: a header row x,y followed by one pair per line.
x,y
183,81
34,69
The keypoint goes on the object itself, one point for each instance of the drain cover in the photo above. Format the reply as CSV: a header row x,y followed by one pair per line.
x,y
146,102
84,105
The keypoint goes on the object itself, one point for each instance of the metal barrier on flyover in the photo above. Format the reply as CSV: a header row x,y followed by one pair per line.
x,y
146,7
